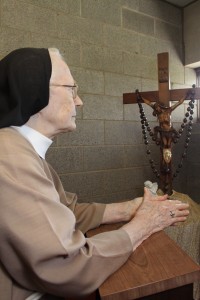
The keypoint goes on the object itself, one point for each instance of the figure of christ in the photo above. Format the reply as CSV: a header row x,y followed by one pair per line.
x,y
165,128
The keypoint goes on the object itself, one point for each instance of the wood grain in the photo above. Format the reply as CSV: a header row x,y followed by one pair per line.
x,y
157,265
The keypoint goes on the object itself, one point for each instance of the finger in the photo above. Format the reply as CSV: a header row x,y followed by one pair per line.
x,y
161,198
179,220
181,206
181,213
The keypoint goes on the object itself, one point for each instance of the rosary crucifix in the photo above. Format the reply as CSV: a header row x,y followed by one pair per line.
x,y
164,135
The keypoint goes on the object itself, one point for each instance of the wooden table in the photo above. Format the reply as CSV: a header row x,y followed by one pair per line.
x,y
158,269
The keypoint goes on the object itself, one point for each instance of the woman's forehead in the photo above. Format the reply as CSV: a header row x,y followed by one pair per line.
x,y
62,71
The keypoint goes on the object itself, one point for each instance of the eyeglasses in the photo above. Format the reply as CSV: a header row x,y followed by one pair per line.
x,y
73,87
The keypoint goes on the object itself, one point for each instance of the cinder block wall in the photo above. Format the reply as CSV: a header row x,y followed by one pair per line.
x,y
111,47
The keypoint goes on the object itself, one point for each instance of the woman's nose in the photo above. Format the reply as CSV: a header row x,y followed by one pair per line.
x,y
78,101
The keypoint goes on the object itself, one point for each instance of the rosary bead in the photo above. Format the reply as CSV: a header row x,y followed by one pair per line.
x,y
191,112
145,137
180,165
151,161
146,142
144,131
184,155
187,114
146,124
189,134
175,141
183,125
191,118
151,133
186,145
185,120
189,108
148,151
148,128
180,130
187,139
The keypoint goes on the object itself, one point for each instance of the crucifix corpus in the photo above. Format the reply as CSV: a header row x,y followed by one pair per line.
x,y
165,135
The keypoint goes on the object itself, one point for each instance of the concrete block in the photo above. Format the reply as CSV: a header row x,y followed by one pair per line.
x,y
166,31
103,158
88,132
102,107
71,7
79,29
113,197
149,85
119,133
136,156
69,49
117,84
196,129
12,39
65,160
99,58
161,10
85,184
133,178
148,175
177,73
132,4
193,180
123,181
121,39
190,76
178,114
140,66
131,112
148,46
137,22
28,17
89,82
151,46
102,10
193,156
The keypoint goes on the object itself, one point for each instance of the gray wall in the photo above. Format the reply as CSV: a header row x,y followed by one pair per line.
x,y
192,34
111,47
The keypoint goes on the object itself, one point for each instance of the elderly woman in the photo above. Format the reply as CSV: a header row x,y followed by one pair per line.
x,y
43,251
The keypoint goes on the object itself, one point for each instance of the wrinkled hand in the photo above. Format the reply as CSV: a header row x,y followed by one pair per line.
x,y
154,214
159,212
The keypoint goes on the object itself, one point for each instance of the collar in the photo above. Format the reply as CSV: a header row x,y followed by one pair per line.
x,y
39,141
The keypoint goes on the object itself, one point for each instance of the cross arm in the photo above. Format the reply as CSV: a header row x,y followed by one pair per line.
x,y
175,95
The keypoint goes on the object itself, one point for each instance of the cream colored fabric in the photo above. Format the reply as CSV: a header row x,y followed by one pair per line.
x,y
43,248
187,235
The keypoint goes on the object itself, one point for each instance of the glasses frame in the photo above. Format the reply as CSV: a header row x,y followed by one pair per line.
x,y
73,87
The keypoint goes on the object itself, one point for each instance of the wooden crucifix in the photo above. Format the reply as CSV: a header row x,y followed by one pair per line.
x,y
159,100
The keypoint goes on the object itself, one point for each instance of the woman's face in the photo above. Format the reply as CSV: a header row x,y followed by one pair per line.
x,y
60,113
